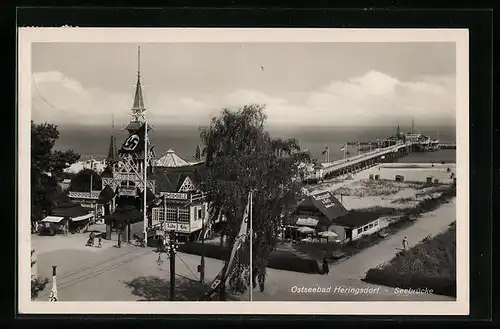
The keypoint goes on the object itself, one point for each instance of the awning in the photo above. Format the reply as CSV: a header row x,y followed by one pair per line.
x,y
304,229
79,218
307,221
52,219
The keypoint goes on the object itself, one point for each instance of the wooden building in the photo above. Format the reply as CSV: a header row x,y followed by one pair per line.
x,y
66,218
324,212
181,205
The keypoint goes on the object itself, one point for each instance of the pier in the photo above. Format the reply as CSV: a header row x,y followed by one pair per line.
x,y
448,146
360,162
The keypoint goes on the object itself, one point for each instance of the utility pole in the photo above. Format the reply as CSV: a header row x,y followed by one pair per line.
x,y
172,251
202,263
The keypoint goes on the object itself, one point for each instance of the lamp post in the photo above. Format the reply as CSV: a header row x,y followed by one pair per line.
x,y
172,249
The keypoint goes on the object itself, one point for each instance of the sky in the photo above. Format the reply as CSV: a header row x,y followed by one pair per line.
x,y
301,84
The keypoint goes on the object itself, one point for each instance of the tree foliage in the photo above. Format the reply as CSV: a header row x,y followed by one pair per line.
x,y
47,167
37,283
242,156
81,181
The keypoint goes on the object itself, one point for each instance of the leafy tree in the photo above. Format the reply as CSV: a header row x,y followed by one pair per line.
x,y
37,283
47,167
81,181
242,156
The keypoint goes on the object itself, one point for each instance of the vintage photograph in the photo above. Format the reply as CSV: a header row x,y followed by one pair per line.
x,y
238,169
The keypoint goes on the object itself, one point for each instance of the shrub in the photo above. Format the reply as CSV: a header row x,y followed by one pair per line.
x,y
280,260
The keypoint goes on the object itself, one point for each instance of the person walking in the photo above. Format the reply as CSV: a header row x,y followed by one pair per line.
x,y
326,270
120,240
405,243
100,242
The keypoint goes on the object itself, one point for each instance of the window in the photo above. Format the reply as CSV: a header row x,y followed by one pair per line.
x,y
370,226
365,228
179,214
360,230
375,223
200,213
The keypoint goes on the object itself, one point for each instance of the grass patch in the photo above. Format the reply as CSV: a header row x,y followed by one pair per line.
x,y
428,265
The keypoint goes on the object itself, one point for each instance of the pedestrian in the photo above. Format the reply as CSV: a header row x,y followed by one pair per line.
x,y
326,270
405,243
100,241
120,240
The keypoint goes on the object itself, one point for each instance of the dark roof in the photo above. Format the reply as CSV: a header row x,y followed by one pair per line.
x,y
127,214
106,194
150,196
171,179
354,219
107,172
70,210
326,203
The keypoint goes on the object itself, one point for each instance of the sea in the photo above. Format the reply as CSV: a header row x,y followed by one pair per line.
x,y
93,141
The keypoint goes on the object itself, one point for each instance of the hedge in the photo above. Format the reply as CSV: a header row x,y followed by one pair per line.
x,y
280,260
439,285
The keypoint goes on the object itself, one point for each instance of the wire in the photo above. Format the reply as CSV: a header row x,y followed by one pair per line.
x,y
196,276
40,95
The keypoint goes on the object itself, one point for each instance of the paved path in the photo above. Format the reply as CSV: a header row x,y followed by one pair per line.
x,y
130,273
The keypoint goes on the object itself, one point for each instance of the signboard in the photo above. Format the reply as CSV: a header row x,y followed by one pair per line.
x,y
196,225
325,199
128,191
183,228
175,196
125,176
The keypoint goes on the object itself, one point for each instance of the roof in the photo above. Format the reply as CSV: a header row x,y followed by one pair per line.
x,y
70,210
135,125
326,203
171,179
150,196
170,159
355,219
128,214
106,194
52,219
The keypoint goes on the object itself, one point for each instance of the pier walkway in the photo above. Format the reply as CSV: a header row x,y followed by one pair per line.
x,y
360,161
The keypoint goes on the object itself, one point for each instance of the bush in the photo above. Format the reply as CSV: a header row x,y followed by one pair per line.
x,y
280,260
431,264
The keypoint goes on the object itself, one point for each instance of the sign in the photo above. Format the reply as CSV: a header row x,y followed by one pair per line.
x,y
183,228
128,191
325,199
175,196
125,176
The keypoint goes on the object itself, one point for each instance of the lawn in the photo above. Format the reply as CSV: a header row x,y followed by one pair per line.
x,y
429,265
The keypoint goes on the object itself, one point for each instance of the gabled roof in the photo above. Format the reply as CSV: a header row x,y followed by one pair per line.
x,y
171,179
106,194
326,203
171,160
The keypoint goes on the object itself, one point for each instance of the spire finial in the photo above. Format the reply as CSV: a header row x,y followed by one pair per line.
x,y
138,61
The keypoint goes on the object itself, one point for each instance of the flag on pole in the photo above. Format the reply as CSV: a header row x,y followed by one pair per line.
x,y
135,142
53,292
240,239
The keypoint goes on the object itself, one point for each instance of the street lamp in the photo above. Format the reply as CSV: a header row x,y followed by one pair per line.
x,y
172,248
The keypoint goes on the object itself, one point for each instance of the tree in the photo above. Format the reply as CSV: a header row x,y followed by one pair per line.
x,y
81,181
37,283
241,156
47,167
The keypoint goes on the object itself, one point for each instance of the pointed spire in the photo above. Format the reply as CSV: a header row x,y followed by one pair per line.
x,y
138,107
112,151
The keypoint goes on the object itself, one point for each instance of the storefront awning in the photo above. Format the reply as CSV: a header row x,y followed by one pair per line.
x,y
52,219
301,221
80,218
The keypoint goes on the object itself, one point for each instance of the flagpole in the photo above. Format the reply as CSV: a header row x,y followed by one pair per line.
x,y
145,217
251,245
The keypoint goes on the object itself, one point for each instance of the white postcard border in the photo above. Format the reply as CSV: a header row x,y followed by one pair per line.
x,y
27,36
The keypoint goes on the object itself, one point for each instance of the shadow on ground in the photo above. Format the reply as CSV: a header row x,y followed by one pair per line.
x,y
153,288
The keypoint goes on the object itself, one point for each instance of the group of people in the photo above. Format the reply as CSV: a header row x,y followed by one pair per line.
x,y
91,240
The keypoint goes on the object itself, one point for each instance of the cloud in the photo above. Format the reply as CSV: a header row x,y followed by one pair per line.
x,y
372,98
